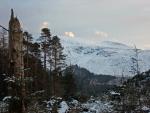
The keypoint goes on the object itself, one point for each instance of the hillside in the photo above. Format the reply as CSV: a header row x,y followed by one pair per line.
x,y
97,84
110,58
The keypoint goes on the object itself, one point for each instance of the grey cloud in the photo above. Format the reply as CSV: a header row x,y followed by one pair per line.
x,y
123,19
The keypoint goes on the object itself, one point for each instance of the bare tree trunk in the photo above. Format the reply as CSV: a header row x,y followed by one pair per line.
x,y
23,89
27,54
44,59
23,97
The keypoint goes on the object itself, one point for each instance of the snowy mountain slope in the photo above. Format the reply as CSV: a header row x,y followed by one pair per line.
x,y
105,57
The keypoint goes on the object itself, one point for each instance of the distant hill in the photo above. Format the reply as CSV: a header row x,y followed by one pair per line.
x,y
107,57
91,84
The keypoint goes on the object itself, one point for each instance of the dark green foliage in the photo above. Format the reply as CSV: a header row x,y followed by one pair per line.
x,y
4,61
58,57
83,98
15,105
38,76
69,83
90,84
35,50
4,71
27,38
45,40
3,86
57,86
134,93
35,74
57,64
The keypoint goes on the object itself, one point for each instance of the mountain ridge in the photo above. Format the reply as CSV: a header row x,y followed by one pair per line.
x,y
107,57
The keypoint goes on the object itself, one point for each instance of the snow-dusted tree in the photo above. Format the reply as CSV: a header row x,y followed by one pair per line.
x,y
3,51
135,69
129,91
3,38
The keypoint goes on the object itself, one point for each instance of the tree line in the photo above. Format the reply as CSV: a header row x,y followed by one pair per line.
x,y
44,69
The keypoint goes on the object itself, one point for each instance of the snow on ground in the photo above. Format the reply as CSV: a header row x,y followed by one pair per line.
x,y
3,107
91,106
145,108
114,93
7,98
64,107
97,106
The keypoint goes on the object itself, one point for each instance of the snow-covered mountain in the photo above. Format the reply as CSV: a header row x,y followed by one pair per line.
x,y
111,58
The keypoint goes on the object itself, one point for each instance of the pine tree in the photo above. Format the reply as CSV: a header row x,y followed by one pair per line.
x,y
44,39
27,43
58,64
36,50
58,58
135,69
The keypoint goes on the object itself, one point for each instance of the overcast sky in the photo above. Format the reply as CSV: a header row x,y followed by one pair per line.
x,y
126,21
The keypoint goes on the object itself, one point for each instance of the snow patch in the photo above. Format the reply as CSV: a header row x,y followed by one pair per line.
x,y
64,107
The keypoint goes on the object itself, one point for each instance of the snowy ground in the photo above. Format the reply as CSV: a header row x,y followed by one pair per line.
x,y
91,106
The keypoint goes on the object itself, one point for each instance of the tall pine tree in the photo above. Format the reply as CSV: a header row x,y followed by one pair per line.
x,y
44,40
58,64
